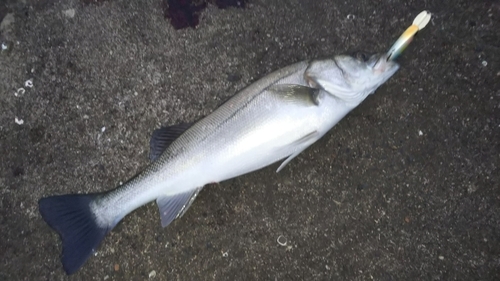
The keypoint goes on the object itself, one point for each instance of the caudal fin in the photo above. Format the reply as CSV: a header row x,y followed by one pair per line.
x,y
72,218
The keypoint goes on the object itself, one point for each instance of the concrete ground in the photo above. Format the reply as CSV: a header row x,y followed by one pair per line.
x,y
406,187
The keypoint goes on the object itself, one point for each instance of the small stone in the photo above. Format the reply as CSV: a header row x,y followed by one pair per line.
x,y
484,63
152,274
103,129
7,21
441,257
117,267
407,219
70,13
472,188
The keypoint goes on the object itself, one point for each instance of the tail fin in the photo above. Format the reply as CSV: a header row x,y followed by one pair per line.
x,y
72,218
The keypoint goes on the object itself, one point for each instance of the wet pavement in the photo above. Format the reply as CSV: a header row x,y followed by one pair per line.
x,y
406,187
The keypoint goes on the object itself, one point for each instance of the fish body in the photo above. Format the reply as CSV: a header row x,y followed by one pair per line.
x,y
275,118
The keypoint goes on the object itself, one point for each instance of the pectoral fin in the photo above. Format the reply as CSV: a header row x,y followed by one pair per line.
x,y
163,137
175,206
299,94
301,145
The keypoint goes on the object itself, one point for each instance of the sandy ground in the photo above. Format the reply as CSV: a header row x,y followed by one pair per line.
x,y
406,187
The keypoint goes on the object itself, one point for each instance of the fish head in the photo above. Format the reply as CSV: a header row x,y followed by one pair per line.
x,y
351,78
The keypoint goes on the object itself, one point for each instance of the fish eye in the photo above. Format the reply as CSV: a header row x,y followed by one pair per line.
x,y
361,56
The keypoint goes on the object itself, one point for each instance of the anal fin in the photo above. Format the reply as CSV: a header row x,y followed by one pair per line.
x,y
175,206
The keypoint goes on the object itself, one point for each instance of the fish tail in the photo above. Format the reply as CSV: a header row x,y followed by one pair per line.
x,y
72,218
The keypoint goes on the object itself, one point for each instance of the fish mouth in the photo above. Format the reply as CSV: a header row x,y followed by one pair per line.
x,y
379,64
384,66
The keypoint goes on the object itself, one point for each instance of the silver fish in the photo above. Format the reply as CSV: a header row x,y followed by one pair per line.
x,y
275,118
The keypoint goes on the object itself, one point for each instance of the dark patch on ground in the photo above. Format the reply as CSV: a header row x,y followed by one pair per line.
x,y
183,13
186,13
17,171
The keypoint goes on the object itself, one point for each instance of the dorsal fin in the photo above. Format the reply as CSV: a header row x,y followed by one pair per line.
x,y
163,137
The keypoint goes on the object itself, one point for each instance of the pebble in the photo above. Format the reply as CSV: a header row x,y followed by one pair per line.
x,y
28,84
7,20
70,13
152,274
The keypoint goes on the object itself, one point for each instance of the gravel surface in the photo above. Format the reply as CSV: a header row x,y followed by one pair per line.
x,y
406,187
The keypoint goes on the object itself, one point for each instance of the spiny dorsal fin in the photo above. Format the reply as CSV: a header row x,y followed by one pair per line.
x,y
163,137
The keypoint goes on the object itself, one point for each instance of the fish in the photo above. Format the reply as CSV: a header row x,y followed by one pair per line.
x,y
275,118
